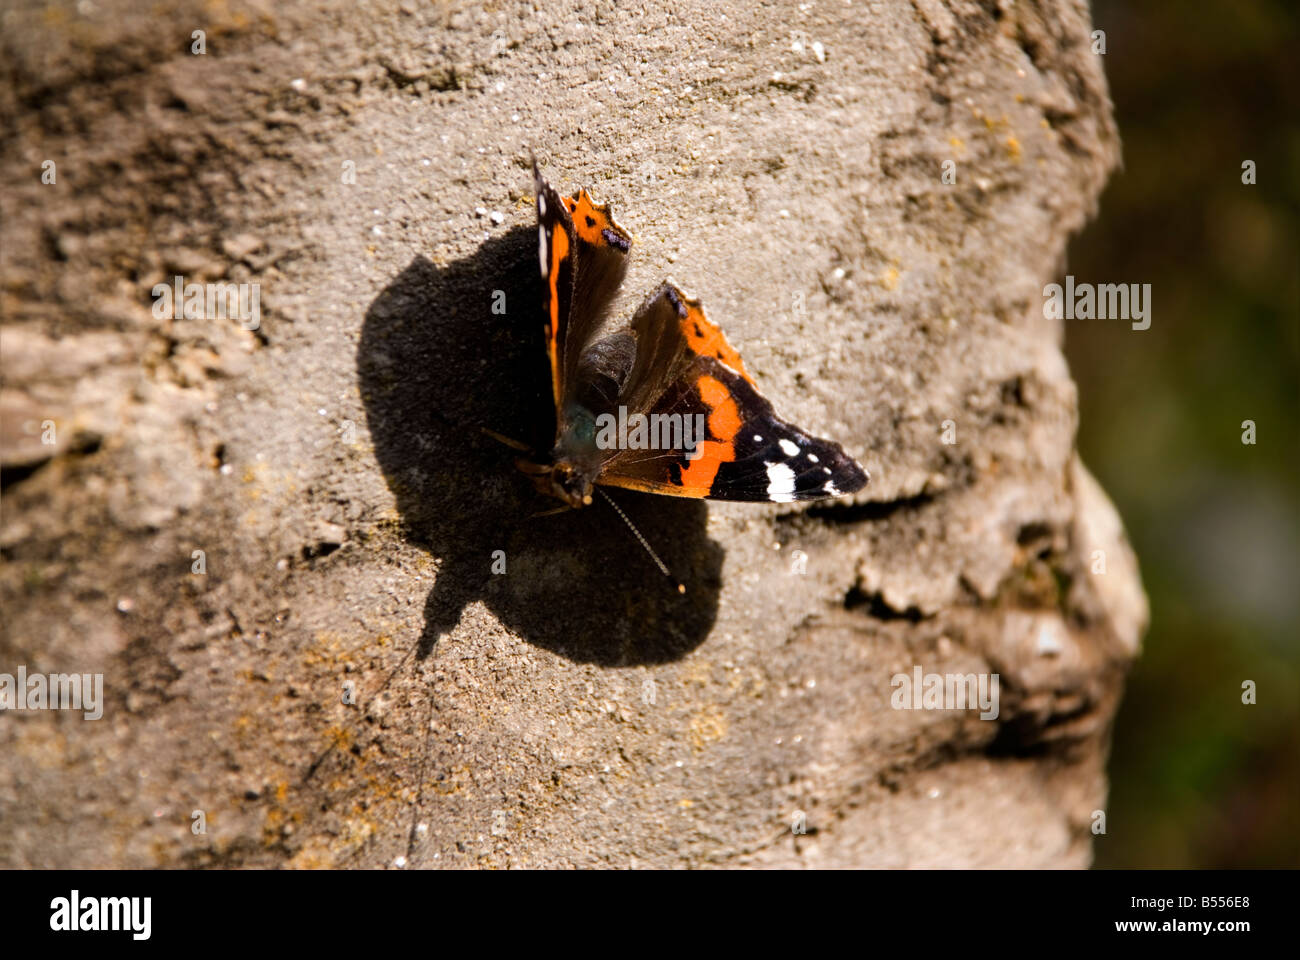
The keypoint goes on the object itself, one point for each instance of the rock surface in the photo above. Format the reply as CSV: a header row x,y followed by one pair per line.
x,y
244,529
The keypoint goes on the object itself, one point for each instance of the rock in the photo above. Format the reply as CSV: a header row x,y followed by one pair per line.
x,y
311,507
241,246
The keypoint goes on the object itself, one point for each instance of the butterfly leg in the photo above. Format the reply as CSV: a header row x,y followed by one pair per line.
x,y
535,470
541,474
501,438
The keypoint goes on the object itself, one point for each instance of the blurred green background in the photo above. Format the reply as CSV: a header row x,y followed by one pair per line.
x,y
1197,778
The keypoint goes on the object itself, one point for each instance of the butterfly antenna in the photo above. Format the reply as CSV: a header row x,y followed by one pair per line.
x,y
681,587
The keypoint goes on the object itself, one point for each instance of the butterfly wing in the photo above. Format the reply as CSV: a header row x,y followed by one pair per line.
x,y
582,252
684,366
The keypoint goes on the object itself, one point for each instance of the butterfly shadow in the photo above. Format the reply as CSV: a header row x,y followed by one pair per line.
x,y
448,350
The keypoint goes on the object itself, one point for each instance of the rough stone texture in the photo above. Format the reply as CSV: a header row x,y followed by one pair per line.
x,y
782,161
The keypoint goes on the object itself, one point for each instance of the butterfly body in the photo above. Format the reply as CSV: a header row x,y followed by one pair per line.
x,y
665,406
575,461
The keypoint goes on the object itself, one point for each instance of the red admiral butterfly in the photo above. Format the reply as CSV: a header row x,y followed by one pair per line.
x,y
671,362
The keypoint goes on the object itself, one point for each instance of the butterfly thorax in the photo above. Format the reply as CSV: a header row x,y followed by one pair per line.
x,y
594,390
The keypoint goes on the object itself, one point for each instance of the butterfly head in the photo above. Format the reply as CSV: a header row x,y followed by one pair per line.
x,y
575,460
568,482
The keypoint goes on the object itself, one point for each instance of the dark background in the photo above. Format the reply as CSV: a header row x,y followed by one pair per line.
x,y
1197,778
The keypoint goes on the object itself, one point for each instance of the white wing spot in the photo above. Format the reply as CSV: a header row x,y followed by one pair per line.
x,y
829,487
826,470
541,248
780,482
757,438
812,458
541,204
790,449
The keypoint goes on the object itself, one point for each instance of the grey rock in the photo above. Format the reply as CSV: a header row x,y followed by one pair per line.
x,y
572,710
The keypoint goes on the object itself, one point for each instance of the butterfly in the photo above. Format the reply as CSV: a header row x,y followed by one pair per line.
x,y
664,406
671,365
